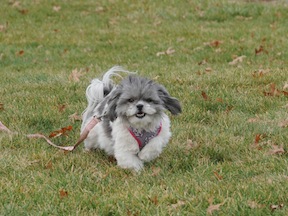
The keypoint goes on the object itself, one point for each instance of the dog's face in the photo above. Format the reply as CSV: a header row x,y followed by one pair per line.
x,y
140,101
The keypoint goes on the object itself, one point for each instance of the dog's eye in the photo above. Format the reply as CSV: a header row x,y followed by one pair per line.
x,y
149,100
130,100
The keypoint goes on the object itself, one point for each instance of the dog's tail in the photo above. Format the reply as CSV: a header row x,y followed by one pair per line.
x,y
97,90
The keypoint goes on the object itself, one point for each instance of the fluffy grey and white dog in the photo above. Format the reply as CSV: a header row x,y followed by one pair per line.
x,y
134,127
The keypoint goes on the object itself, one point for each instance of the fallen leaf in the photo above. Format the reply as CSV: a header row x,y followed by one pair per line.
x,y
214,43
237,60
62,131
190,144
169,51
20,53
154,200
3,27
278,150
283,123
61,107
75,75
75,117
15,4
219,177
205,96
274,91
203,62
156,171
254,205
180,39
258,137
57,8
99,9
274,207
49,165
260,50
228,109
213,208
260,73
178,204
253,120
208,69
157,22
1,106
220,100
63,193
23,11
156,77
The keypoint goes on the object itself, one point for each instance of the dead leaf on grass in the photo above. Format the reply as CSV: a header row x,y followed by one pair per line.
x,y
218,176
278,206
178,204
57,8
156,171
276,150
15,4
63,193
215,43
253,120
203,62
75,117
274,91
169,51
228,109
3,28
208,69
220,100
213,207
254,205
62,131
154,200
61,107
260,73
237,60
49,165
20,53
99,9
75,75
283,123
260,50
23,11
1,106
205,96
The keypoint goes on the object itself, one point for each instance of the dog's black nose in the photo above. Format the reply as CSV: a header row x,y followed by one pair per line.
x,y
139,107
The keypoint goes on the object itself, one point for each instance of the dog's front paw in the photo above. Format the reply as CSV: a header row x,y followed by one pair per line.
x,y
148,154
130,162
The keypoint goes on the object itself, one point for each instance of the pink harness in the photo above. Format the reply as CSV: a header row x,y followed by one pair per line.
x,y
143,137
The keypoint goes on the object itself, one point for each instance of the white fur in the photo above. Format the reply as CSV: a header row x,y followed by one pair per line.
x,y
123,145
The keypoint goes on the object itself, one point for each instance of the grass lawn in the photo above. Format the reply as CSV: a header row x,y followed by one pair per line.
x,y
227,63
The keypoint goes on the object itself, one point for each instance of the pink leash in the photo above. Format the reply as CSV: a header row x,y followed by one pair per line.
x,y
82,137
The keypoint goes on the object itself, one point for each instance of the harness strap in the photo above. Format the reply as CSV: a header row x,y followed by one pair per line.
x,y
143,137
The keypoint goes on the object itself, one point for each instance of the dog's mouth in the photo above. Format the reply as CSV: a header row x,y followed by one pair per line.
x,y
140,115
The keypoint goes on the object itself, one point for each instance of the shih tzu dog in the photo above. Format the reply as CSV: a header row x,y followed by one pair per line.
x,y
133,126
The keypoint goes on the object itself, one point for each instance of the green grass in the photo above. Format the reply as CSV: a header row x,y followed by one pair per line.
x,y
212,152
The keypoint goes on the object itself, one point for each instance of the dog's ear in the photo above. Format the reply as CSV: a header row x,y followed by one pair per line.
x,y
113,97
170,103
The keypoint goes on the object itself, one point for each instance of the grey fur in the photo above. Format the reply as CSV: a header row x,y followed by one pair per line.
x,y
132,90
